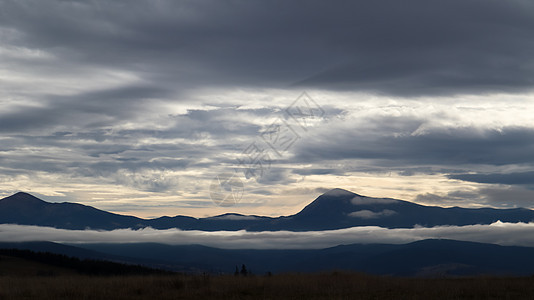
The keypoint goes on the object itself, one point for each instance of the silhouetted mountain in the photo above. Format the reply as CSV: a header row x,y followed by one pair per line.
x,y
25,209
333,210
342,209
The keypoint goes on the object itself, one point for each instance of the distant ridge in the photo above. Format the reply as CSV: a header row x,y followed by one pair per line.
x,y
334,209
426,258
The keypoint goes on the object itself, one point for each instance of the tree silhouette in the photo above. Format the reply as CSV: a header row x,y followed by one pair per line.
x,y
244,271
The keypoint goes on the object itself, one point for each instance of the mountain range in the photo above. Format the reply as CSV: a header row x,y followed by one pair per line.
x,y
335,209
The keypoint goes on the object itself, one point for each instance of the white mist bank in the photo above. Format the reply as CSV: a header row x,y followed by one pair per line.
x,y
517,234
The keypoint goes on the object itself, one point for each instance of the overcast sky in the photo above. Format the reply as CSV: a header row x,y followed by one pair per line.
x,y
136,106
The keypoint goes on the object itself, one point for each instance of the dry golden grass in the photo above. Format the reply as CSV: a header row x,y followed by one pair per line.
x,y
333,285
25,279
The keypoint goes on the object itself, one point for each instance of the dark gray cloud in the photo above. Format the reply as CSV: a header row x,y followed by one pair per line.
x,y
309,171
411,48
494,196
443,147
95,109
508,196
454,198
517,178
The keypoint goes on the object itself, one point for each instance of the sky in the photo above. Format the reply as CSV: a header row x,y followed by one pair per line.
x,y
144,107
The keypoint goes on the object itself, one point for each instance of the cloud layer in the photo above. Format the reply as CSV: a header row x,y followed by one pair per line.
x,y
498,233
413,48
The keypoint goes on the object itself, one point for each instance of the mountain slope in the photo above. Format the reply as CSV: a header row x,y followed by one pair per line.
x,y
342,209
25,209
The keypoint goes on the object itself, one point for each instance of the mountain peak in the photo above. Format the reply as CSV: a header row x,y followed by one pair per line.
x,y
330,205
23,194
337,192
22,197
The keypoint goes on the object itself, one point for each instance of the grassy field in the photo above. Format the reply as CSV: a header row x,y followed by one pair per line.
x,y
283,286
26,279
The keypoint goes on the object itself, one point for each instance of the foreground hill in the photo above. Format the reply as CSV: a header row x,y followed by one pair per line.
x,y
333,210
26,262
423,258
